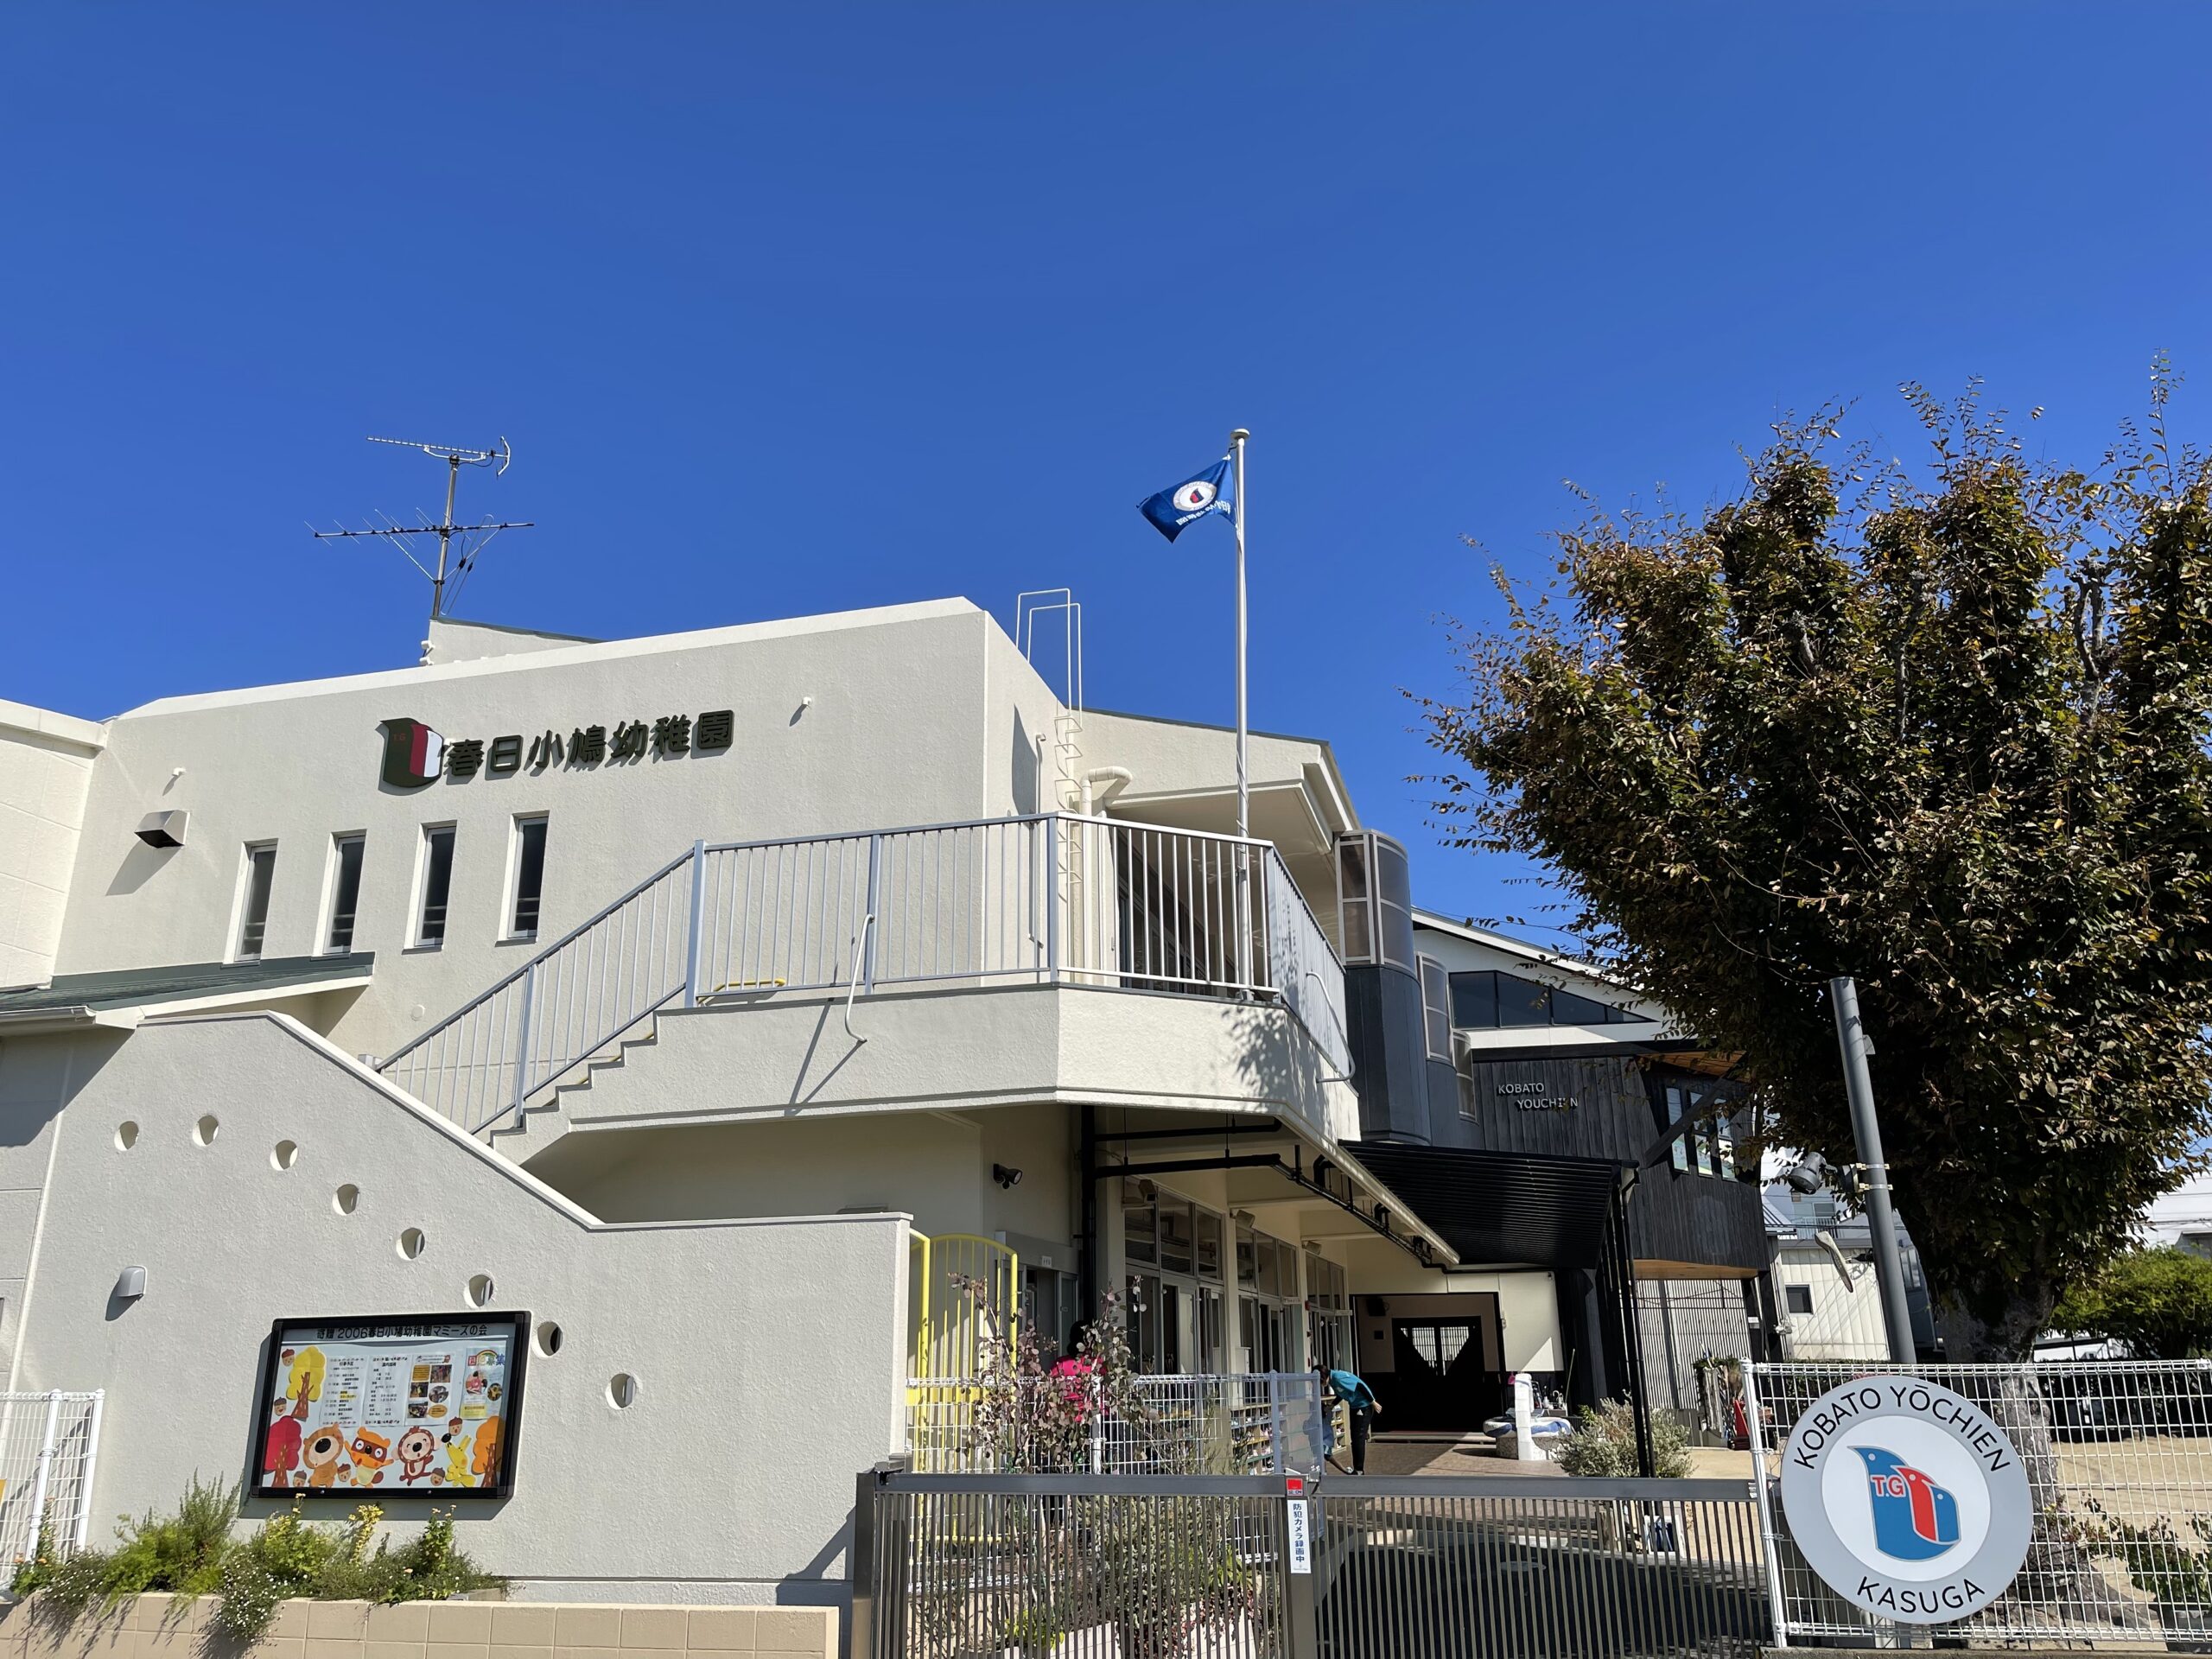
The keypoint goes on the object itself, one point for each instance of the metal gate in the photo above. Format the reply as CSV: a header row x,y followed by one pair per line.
x,y
962,1566
49,1445
2118,1460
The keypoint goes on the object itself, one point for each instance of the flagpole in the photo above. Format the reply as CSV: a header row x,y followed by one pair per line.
x,y
1244,767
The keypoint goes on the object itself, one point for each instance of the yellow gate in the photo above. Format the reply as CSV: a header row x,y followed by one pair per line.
x,y
963,1296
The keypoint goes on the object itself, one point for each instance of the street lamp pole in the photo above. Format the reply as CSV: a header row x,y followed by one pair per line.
x,y
1866,1130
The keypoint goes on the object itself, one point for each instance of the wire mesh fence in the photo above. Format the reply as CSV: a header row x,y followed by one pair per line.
x,y
1507,1567
1260,1423
49,1443
1082,1566
960,1567
2118,1460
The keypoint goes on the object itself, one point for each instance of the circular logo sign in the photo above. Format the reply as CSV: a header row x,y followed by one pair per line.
x,y
1906,1499
1197,495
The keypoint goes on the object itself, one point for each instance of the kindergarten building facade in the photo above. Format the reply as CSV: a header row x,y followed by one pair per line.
x,y
563,1078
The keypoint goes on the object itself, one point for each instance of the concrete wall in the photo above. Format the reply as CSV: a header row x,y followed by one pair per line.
x,y
964,1050
164,1627
46,768
769,1355
896,732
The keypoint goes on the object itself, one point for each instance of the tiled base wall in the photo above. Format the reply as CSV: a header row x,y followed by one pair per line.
x,y
161,1627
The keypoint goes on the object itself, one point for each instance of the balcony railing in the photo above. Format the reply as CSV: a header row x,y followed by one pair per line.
x,y
1053,899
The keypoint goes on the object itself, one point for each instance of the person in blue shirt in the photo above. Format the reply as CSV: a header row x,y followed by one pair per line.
x,y
1359,1399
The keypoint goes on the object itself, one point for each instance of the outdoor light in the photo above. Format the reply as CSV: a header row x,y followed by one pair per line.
x,y
1810,1175
130,1284
1005,1176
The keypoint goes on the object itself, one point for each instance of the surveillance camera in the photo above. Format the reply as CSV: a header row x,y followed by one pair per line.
x,y
1005,1176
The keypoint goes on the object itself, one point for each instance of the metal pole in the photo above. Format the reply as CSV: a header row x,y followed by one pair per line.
x,y
92,1467
45,1463
1243,737
445,532
691,945
522,1039
1754,1426
1243,769
1866,1131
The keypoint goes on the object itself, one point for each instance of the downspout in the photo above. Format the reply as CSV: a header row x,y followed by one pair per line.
x,y
1087,1280
1115,780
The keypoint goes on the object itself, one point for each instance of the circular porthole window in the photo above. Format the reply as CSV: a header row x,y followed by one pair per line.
x,y
285,1154
479,1289
203,1130
126,1135
345,1198
549,1338
621,1390
411,1243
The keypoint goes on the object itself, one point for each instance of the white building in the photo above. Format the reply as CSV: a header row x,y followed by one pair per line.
x,y
609,985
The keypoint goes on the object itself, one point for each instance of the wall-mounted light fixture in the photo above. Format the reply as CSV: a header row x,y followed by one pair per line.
x,y
130,1284
1006,1175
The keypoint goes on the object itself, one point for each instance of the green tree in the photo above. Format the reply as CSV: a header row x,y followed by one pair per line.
x,y
2157,1301
1945,732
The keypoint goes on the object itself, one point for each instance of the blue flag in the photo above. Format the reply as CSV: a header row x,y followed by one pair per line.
x,y
1190,500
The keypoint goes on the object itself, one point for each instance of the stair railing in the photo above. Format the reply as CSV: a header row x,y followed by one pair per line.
x,y
1050,898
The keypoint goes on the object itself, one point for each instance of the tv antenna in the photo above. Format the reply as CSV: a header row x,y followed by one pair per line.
x,y
473,538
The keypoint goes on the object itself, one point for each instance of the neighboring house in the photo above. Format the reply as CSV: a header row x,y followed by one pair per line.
x,y
1828,1300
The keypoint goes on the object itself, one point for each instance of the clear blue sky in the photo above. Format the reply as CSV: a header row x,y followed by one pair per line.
x,y
790,309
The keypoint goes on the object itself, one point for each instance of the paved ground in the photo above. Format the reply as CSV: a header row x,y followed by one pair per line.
x,y
1410,1454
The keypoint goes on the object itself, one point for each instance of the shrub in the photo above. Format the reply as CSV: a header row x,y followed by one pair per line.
x,y
192,1553
1603,1443
291,1555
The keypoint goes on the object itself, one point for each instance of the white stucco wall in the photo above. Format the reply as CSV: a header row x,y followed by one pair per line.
x,y
46,768
769,1354
896,732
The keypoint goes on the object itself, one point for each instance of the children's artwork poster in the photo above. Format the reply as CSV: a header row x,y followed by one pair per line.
x,y
427,1405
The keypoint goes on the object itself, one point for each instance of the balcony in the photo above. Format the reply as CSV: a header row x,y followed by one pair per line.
x,y
876,945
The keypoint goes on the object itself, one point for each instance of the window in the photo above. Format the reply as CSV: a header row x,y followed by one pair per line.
x,y
1375,916
345,892
1208,1246
1174,1235
529,877
1486,1000
1709,1148
259,874
1436,1012
1139,1223
436,885
1798,1297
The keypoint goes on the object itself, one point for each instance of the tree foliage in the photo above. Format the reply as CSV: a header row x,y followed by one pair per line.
x,y
1941,730
2159,1302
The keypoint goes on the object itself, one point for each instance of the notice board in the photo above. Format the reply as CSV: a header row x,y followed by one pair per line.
x,y
383,1405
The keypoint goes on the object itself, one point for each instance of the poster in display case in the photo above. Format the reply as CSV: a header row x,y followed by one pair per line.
x,y
391,1404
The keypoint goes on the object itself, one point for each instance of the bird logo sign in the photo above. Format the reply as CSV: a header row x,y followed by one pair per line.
x,y
1914,1519
1906,1497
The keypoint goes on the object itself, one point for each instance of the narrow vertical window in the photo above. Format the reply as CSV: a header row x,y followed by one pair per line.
x,y
253,914
437,884
529,877
1435,1006
344,893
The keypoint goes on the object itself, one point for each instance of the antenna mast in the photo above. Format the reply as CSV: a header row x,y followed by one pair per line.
x,y
448,569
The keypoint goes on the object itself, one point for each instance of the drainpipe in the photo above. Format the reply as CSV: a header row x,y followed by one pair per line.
x,y
1115,780
1087,1175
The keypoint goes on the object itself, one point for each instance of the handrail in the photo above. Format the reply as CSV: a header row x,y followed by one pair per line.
x,y
1124,905
566,939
